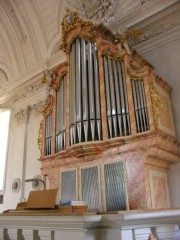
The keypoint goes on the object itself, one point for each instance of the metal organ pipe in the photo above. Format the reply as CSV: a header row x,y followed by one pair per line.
x,y
108,101
97,96
112,94
48,137
140,107
78,90
61,116
117,94
84,93
84,89
116,98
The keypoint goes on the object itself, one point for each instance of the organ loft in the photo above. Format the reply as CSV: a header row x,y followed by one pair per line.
x,y
107,136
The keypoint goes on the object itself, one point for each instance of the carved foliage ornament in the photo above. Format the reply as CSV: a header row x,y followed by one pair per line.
x,y
70,21
156,103
40,137
97,10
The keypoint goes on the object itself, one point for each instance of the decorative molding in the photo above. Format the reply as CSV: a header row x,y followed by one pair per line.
x,y
14,20
23,115
157,25
56,48
31,89
98,11
38,107
3,77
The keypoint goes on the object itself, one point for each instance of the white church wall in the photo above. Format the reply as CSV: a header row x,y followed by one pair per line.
x,y
22,154
33,152
14,163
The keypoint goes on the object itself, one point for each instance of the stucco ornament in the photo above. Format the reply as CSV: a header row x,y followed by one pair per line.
x,y
97,10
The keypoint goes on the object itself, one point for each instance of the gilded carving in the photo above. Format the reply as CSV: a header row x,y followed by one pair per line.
x,y
156,103
134,65
47,108
70,21
40,136
112,56
134,76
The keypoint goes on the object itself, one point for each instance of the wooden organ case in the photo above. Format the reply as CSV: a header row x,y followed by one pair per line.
x,y
107,135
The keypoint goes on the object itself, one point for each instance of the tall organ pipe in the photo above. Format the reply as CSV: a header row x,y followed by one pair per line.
x,y
140,107
84,89
85,119
97,96
48,137
78,90
116,98
61,116
108,101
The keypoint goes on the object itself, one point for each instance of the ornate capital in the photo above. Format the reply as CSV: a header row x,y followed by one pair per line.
x,y
23,115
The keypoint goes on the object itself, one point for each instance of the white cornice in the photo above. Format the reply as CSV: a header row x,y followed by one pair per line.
x,y
158,41
29,77
141,13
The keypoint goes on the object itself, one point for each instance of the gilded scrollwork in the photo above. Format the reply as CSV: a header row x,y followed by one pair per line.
x,y
70,21
156,103
112,56
40,136
133,75
48,103
134,65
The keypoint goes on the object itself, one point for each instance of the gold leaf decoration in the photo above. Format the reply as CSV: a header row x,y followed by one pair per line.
x,y
156,103
40,136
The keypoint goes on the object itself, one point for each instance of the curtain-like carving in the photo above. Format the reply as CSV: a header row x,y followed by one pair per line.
x,y
116,98
140,107
85,117
61,116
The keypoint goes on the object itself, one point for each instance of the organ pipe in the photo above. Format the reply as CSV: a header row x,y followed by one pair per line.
x,y
140,107
116,98
48,137
85,121
61,116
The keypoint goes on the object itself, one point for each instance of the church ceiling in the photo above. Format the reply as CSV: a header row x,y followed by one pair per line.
x,y
30,31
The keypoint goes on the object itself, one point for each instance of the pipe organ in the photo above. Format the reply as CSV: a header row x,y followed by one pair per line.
x,y
107,137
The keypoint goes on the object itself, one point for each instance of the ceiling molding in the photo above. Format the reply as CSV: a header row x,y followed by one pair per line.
x,y
141,13
159,41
